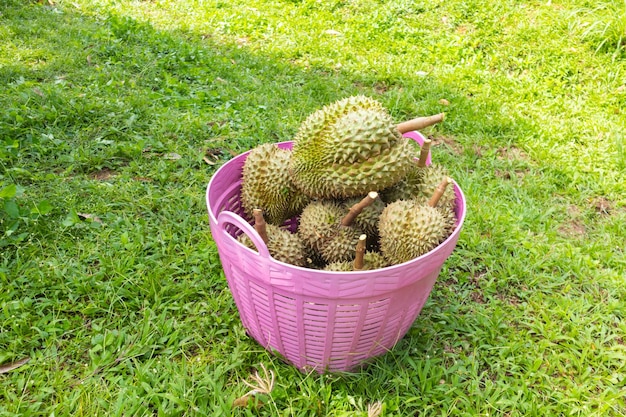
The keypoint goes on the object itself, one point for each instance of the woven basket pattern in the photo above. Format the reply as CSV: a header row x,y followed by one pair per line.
x,y
327,321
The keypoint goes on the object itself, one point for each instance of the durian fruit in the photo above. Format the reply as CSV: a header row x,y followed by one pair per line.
x,y
267,185
321,231
409,229
420,181
347,148
281,244
441,200
341,246
429,179
408,187
363,261
367,220
327,229
318,223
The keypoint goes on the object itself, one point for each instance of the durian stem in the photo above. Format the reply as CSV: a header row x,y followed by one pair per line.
x,y
356,209
259,224
424,153
420,123
359,263
441,188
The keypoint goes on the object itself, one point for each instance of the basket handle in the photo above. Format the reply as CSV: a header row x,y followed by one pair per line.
x,y
228,217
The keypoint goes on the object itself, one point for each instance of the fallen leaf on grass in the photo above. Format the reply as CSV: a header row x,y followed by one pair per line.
x,y
11,366
87,216
247,401
172,156
212,155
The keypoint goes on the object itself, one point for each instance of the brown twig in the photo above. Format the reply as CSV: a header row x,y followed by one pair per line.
x,y
420,123
424,153
360,253
11,366
259,224
441,188
356,209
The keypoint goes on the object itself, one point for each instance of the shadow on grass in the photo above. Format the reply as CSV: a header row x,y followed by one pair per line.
x,y
83,80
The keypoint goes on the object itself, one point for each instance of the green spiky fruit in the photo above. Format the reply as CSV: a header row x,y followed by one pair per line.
x,y
349,148
419,182
430,177
408,230
282,245
320,230
371,260
367,220
267,185
446,209
342,245
318,223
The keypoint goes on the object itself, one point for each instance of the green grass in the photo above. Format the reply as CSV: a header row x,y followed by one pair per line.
x,y
110,281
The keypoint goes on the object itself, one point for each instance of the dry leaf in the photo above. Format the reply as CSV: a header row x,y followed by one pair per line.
x,y
444,102
247,401
87,216
11,366
241,401
208,161
172,156
332,32
38,92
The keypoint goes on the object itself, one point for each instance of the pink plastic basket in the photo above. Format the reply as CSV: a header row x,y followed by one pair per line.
x,y
326,321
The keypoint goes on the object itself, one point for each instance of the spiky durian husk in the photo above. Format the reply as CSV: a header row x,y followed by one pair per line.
x,y
342,245
430,177
408,230
405,189
318,222
367,220
344,266
267,185
445,208
419,182
348,148
282,245
371,260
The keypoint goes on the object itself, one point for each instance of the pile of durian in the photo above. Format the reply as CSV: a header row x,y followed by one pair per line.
x,y
362,193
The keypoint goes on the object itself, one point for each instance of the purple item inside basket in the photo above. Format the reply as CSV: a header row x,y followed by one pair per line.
x,y
321,320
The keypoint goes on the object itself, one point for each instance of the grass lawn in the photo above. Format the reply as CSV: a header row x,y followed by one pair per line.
x,y
115,114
